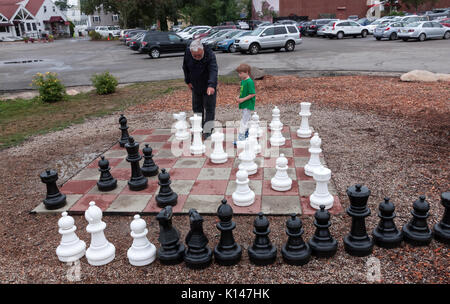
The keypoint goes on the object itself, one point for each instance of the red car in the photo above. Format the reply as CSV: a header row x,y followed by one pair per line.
x,y
445,22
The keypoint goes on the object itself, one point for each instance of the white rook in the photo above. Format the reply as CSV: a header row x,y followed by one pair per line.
x,y
197,147
141,252
321,196
71,247
314,159
304,131
281,181
218,156
243,195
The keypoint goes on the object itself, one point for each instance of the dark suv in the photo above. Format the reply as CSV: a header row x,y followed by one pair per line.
x,y
157,43
312,28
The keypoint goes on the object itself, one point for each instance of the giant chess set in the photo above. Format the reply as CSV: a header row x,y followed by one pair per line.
x,y
277,170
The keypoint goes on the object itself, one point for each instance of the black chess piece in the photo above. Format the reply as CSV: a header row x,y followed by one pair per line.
x,y
357,242
227,252
295,251
417,232
106,182
197,254
166,196
149,168
54,198
386,234
137,181
171,251
124,129
442,229
262,251
322,244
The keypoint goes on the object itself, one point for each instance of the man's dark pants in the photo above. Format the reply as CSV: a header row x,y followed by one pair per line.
x,y
206,106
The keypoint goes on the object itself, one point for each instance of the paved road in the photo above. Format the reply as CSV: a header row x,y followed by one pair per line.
x,y
76,60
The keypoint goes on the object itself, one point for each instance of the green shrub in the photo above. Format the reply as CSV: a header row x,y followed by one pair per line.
x,y
104,83
50,87
95,35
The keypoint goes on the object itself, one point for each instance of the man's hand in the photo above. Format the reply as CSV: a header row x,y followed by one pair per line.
x,y
189,85
210,91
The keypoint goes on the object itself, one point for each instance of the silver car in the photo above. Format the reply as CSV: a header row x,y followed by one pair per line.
x,y
424,30
389,30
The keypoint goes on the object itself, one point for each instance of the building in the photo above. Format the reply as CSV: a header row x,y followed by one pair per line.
x,y
50,19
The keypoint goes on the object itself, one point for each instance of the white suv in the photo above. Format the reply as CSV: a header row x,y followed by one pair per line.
x,y
108,31
343,28
275,36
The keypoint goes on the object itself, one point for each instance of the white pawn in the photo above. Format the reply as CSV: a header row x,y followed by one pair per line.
x,y
314,159
181,127
281,181
141,252
197,147
304,131
243,195
71,247
100,252
255,121
247,158
321,196
253,140
276,126
218,156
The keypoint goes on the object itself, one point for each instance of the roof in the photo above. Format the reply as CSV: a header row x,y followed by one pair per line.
x,y
9,7
33,6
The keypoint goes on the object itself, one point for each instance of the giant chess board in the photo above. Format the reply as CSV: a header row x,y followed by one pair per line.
x,y
199,183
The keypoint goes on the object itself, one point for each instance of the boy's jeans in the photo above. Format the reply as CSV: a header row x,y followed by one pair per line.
x,y
246,115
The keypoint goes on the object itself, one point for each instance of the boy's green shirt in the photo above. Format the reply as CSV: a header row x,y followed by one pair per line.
x,y
247,88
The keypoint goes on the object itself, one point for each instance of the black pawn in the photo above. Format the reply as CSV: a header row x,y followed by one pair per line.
x,y
295,251
322,244
149,168
416,232
124,128
386,234
197,254
137,181
106,182
262,251
166,196
227,252
442,229
54,199
357,242
171,251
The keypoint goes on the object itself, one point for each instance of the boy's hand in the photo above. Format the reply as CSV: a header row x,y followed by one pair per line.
x,y
238,99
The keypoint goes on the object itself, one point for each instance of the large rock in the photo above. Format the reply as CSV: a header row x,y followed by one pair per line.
x,y
257,73
424,76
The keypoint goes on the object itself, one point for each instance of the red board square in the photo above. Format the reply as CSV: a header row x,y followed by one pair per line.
x,y
209,187
286,129
152,186
152,207
308,210
258,175
301,174
142,132
101,200
267,189
301,152
270,162
78,186
228,164
121,173
252,209
184,173
112,162
158,138
165,162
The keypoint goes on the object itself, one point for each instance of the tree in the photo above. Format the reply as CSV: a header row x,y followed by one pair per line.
x,y
414,3
63,5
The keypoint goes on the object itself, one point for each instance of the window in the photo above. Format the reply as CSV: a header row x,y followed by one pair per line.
x,y
280,30
45,9
96,19
427,25
28,27
115,18
268,32
435,24
54,10
343,24
354,23
174,38
34,26
3,29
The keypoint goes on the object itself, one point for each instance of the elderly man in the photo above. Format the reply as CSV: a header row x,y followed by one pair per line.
x,y
200,74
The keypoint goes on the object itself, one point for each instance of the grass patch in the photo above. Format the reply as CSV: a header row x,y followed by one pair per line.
x,y
21,118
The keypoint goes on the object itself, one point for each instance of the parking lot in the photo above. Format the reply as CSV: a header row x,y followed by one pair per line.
x,y
76,60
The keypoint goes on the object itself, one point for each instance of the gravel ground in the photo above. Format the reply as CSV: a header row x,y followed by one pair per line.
x,y
395,155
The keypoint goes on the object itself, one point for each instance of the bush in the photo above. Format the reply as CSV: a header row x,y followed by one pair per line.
x,y
104,83
50,87
95,35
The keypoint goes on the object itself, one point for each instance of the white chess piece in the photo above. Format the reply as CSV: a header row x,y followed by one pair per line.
x,y
321,196
256,123
247,158
243,195
218,156
181,127
304,131
100,252
253,139
281,181
141,252
276,126
71,247
314,159
197,147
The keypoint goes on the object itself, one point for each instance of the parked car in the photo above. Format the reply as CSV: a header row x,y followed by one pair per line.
x,y
269,37
130,33
424,30
302,26
242,25
157,43
189,33
314,26
253,24
107,31
365,21
321,29
389,30
353,17
230,23
133,37
343,28
445,22
221,35
287,21
227,45
135,42
371,27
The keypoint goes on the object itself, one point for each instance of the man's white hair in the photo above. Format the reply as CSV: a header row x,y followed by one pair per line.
x,y
196,45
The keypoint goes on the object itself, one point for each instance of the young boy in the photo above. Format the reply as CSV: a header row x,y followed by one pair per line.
x,y
246,99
